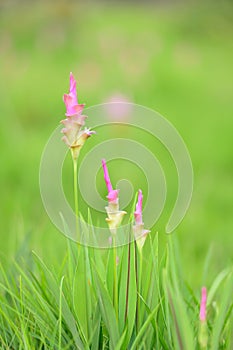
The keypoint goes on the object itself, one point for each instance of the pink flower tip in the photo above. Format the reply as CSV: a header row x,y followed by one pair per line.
x,y
72,83
203,304
71,100
113,195
138,211
107,178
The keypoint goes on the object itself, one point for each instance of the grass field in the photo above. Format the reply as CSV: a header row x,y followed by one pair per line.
x,y
176,59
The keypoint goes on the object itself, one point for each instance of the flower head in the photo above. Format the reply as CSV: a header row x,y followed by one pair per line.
x,y
202,314
138,211
115,215
74,136
71,100
140,233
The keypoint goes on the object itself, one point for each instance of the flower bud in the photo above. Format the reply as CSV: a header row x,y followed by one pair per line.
x,y
140,233
203,330
74,136
115,215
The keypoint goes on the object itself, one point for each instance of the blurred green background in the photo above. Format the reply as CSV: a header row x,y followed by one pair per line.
x,y
173,57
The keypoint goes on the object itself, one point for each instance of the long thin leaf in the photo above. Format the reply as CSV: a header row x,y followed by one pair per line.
x,y
107,309
226,299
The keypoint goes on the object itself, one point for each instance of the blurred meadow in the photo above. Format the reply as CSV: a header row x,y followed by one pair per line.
x,y
175,58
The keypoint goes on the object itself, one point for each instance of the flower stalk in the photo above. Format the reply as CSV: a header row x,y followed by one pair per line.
x,y
74,136
114,219
75,176
127,283
140,235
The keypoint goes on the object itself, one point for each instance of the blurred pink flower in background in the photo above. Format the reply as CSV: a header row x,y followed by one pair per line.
x,y
118,108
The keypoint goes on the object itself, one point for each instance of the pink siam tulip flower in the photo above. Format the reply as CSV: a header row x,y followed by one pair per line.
x,y
115,215
140,233
138,211
71,100
74,137
203,329
202,314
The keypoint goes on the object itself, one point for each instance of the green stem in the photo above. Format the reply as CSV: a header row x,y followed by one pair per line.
x,y
75,165
138,269
127,285
84,251
139,288
136,273
115,281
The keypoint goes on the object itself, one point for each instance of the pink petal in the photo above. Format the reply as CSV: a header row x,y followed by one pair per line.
x,y
67,99
72,84
71,100
106,176
113,195
79,108
203,304
73,109
138,211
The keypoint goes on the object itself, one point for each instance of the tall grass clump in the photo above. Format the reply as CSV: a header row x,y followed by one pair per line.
x,y
75,307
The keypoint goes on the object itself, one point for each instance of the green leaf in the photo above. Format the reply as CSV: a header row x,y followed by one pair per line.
x,y
67,314
110,273
220,319
144,328
127,290
182,331
95,335
156,328
121,344
106,308
216,285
